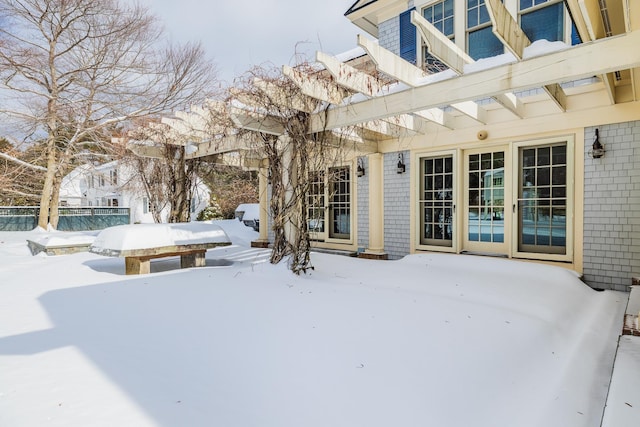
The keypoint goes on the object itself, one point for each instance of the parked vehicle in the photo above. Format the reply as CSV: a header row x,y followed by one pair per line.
x,y
249,214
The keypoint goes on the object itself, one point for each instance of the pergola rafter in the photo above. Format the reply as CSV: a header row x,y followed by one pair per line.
x,y
388,63
447,52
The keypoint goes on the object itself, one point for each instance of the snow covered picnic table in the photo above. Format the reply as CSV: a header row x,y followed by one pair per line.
x,y
140,243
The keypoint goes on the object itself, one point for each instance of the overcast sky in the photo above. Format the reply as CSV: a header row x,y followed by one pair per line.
x,y
240,34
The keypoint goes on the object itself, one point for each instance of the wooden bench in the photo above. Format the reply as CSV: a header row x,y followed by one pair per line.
x,y
61,242
138,261
138,244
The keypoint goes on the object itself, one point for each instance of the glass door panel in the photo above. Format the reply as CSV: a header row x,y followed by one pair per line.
x,y
316,205
485,201
542,199
339,203
485,209
436,201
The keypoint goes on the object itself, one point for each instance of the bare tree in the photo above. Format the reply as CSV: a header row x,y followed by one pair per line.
x,y
21,175
71,69
168,178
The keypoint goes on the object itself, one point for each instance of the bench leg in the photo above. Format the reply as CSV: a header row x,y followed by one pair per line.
x,y
135,265
195,259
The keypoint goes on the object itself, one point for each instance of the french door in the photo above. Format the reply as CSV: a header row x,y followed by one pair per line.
x,y
513,200
329,203
484,216
437,201
543,202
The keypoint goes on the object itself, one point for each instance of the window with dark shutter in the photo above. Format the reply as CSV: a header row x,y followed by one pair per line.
x,y
407,37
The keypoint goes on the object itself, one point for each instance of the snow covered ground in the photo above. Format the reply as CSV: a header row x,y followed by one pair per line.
x,y
430,340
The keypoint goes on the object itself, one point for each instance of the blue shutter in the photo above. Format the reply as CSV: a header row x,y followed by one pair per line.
x,y
407,37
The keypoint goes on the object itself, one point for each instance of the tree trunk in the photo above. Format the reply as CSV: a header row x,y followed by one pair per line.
x,y
54,212
47,190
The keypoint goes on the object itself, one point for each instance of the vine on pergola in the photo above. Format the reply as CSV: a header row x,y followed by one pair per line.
x,y
271,110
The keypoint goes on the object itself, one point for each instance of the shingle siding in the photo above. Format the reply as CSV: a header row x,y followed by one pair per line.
x,y
389,35
612,207
397,228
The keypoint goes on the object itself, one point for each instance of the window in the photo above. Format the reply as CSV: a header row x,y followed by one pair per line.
x,y
408,36
315,203
436,201
542,199
340,203
113,176
329,204
441,16
481,42
542,19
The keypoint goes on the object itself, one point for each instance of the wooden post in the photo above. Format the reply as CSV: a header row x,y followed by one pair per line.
x,y
193,259
136,265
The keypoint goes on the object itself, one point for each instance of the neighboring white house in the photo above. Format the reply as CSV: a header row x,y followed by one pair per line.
x,y
113,184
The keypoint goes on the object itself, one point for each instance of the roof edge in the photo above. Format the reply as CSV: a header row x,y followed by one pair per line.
x,y
355,7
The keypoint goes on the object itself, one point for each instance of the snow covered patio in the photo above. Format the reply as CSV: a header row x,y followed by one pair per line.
x,y
430,340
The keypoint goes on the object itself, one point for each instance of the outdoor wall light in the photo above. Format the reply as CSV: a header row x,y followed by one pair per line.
x,y
360,167
401,166
597,150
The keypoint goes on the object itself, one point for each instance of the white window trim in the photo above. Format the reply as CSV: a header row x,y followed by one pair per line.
x,y
324,237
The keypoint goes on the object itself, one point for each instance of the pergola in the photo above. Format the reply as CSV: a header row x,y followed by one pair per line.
x,y
523,84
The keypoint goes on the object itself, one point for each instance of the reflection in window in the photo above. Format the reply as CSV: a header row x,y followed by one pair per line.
x,y
486,197
481,42
542,199
545,23
436,201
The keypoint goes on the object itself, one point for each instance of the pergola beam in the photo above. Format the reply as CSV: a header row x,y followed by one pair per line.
x,y
507,30
437,116
315,87
440,46
281,97
348,76
255,122
407,73
613,53
389,63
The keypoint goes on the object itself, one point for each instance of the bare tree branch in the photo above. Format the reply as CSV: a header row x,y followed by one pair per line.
x,y
71,70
